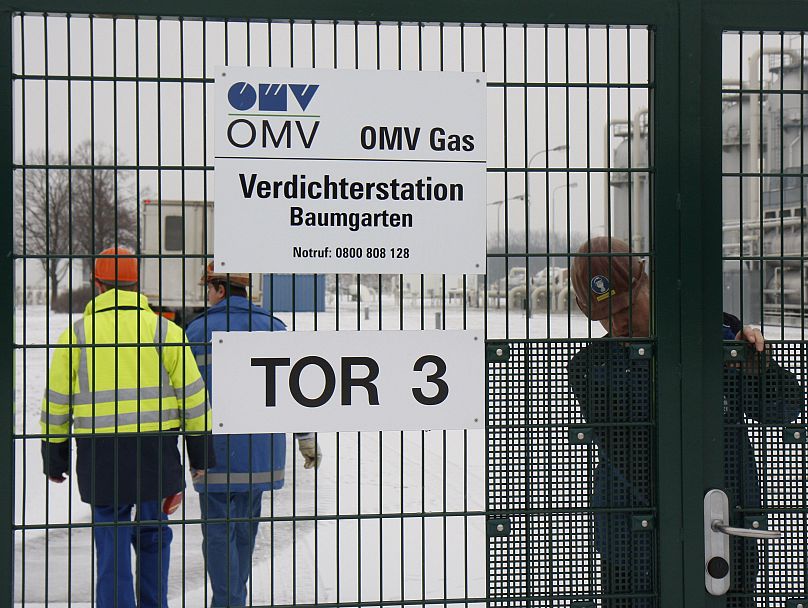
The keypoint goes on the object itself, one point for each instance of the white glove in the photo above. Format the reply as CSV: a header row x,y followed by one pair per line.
x,y
311,452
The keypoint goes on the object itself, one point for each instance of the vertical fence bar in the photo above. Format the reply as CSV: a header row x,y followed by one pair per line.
x,y
7,367
803,213
22,245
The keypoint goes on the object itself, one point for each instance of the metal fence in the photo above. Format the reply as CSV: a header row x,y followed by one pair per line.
x,y
589,133
764,252
563,533
113,123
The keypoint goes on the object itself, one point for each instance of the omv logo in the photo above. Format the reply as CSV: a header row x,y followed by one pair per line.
x,y
270,97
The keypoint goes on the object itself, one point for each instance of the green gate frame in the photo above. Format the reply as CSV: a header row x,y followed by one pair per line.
x,y
686,95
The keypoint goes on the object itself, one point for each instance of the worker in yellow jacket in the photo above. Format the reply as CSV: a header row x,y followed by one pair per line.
x,y
126,381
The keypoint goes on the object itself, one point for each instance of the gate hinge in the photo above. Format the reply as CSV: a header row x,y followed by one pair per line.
x,y
735,352
640,351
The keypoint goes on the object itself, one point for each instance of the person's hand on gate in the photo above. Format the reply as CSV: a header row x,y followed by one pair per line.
x,y
754,339
753,336
197,474
310,451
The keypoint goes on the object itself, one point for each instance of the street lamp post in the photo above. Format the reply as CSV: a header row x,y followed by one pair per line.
x,y
553,197
527,184
545,151
499,204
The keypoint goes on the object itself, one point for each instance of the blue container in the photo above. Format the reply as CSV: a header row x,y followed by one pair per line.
x,y
308,294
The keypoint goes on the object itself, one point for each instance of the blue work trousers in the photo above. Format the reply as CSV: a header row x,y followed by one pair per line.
x,y
115,587
228,546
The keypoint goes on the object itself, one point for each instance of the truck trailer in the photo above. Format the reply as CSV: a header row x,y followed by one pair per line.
x,y
177,242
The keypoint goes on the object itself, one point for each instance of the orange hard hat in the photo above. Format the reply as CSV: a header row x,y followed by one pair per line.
x,y
116,265
239,279
605,276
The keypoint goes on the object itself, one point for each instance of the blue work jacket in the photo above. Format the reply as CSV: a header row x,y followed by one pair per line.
x,y
243,462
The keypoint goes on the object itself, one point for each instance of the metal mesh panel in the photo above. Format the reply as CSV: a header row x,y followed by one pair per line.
x,y
765,472
764,284
122,107
113,146
764,179
570,474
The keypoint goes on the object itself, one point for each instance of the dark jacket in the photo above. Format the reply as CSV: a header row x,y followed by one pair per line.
x,y
613,388
126,469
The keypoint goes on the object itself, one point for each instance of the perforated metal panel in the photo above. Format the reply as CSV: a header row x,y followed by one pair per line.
x,y
571,497
765,471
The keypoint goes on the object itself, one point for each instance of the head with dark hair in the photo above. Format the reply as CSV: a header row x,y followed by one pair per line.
x,y
229,288
223,285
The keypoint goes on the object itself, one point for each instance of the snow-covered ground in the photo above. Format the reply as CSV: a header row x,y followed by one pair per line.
x,y
389,557
396,551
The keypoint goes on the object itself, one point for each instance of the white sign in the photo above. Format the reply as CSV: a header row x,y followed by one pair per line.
x,y
349,171
283,382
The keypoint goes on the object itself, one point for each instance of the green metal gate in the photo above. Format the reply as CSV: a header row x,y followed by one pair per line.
x,y
625,119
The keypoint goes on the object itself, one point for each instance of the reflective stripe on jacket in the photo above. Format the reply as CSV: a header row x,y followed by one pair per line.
x,y
126,380
244,462
121,368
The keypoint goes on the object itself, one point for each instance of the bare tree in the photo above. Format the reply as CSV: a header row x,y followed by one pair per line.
x,y
77,210
103,203
42,218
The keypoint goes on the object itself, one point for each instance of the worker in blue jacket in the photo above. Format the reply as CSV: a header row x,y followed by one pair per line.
x,y
247,465
614,389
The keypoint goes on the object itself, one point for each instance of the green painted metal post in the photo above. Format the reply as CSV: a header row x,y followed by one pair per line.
x,y
7,424
700,231
666,245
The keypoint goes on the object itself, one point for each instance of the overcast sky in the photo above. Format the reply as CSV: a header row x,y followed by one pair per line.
x,y
146,126
145,123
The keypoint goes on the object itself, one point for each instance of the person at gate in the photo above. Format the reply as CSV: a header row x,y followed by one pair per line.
x,y
127,382
247,465
613,387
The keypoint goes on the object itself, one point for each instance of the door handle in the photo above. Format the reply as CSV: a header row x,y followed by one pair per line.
x,y
719,526
717,531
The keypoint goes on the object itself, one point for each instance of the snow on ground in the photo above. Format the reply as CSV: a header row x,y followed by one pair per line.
x,y
385,555
302,562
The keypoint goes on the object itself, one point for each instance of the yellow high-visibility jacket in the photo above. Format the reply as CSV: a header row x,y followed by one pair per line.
x,y
122,369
